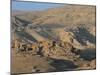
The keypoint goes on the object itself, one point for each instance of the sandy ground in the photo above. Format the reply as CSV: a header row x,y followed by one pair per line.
x,y
30,63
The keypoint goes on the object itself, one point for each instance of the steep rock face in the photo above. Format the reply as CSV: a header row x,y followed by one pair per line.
x,y
65,36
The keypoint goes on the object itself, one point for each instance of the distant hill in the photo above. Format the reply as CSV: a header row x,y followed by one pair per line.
x,y
68,15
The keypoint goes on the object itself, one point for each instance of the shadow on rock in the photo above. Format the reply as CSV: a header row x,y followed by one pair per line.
x,y
88,54
83,35
63,65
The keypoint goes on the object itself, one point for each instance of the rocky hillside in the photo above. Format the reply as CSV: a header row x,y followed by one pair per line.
x,y
58,35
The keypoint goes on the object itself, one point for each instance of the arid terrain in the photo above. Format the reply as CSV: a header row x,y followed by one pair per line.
x,y
56,39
